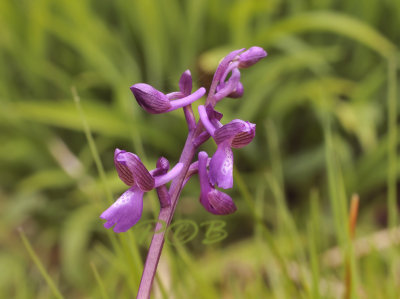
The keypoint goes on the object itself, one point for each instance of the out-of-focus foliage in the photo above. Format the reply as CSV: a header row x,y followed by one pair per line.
x,y
324,101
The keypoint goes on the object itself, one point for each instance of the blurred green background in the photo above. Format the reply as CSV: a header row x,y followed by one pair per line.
x,y
325,105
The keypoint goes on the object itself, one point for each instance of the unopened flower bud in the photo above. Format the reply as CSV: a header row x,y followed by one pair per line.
x,y
251,56
150,99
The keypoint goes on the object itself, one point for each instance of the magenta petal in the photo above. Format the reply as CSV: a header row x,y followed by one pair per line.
x,y
150,99
132,171
185,83
126,211
221,166
238,132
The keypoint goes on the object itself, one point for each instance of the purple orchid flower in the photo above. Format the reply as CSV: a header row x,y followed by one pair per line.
x,y
237,134
126,211
132,171
213,200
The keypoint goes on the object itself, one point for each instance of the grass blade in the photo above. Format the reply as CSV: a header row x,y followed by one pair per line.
x,y
92,144
40,266
99,281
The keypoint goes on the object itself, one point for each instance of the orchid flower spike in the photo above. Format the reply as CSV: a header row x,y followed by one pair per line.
x,y
213,172
237,134
126,211
213,200
155,102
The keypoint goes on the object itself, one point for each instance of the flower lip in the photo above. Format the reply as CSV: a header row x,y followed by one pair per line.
x,y
221,166
126,211
238,132
251,56
132,171
150,99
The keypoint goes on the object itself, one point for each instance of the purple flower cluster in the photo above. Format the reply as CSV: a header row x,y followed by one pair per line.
x,y
214,172
127,210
